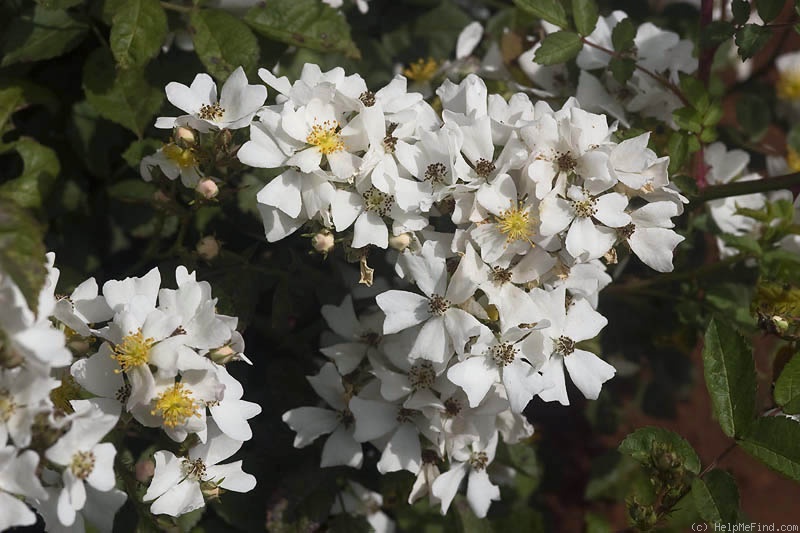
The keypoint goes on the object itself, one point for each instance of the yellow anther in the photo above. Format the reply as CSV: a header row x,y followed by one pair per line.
x,y
184,158
133,351
175,405
421,70
326,137
516,223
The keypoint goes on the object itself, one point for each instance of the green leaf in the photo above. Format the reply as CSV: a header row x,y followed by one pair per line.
x,y
108,8
640,446
708,135
223,42
773,440
622,35
782,209
550,10
11,100
622,69
126,98
138,149
41,167
751,38
34,93
712,115
558,47
730,377
305,23
732,300
716,497
743,243
694,143
694,91
688,119
43,34
716,33
740,10
787,387
754,115
133,191
769,9
678,150
686,184
22,251
585,14
137,31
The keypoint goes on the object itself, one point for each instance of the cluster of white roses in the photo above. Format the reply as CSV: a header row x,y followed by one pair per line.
x,y
32,350
534,197
502,211
660,56
731,166
160,356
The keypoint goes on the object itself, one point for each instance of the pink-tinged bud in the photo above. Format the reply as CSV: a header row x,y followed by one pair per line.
x,y
400,242
208,248
223,355
184,134
322,242
145,470
207,188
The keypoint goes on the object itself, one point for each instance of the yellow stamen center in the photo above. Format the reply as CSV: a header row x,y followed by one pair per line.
x,y
793,160
133,351
175,405
789,85
184,158
7,405
421,70
516,223
82,464
326,137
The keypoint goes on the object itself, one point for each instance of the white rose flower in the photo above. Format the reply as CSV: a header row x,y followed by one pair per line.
x,y
176,485
236,107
